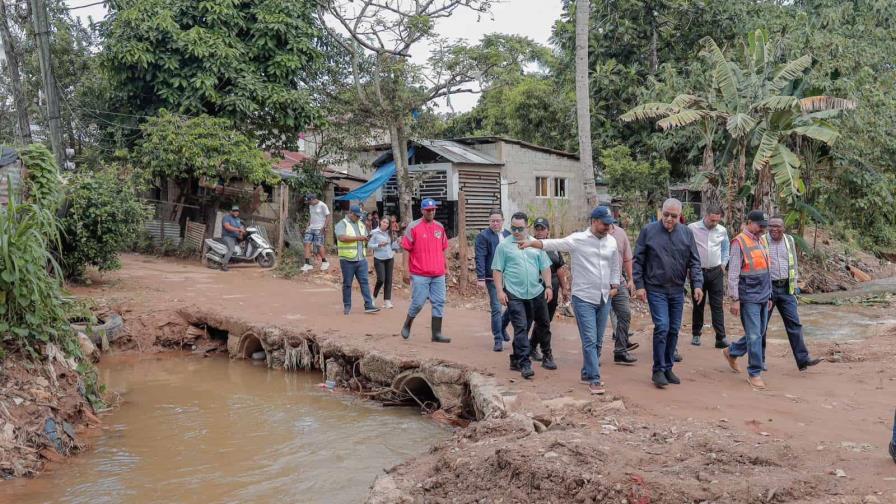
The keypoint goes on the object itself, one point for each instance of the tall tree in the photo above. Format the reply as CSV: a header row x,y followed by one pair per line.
x,y
583,99
243,61
388,88
23,125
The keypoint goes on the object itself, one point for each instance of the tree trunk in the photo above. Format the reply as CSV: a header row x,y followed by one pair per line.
x,y
736,176
583,100
23,126
402,176
711,196
654,58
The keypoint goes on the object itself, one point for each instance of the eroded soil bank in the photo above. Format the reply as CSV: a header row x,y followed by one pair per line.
x,y
812,437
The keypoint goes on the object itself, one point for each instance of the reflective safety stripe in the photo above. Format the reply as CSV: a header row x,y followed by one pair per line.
x,y
790,245
349,250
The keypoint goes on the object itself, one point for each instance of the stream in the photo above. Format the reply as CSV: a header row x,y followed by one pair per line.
x,y
194,430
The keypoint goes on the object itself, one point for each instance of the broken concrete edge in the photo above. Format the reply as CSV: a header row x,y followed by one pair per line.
x,y
432,384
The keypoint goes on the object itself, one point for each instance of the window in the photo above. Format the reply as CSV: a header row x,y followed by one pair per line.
x,y
541,187
559,187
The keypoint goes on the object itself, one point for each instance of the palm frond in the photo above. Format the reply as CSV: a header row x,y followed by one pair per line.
x,y
767,148
825,103
724,76
791,70
776,103
649,112
817,131
740,124
785,166
687,101
682,118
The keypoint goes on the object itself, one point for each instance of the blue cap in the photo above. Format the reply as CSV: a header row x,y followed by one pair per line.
x,y
428,203
355,209
603,214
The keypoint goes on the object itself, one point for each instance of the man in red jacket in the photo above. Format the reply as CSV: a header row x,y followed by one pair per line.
x,y
425,241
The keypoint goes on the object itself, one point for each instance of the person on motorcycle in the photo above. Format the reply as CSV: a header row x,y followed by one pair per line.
x,y
234,231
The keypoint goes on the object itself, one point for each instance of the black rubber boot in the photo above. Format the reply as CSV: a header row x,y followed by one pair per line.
x,y
514,363
548,360
437,335
406,328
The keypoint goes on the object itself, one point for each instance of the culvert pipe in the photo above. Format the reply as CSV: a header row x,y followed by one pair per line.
x,y
420,390
249,343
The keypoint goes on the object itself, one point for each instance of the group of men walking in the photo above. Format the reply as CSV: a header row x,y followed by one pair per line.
x,y
526,276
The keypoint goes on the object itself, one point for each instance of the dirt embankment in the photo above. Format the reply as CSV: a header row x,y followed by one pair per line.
x,y
43,412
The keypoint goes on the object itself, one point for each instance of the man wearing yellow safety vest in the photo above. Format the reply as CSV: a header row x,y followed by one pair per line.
x,y
783,266
351,236
750,290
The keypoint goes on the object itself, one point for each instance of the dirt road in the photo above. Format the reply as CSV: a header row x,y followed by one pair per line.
x,y
834,417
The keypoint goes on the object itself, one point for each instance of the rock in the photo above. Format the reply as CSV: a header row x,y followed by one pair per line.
x,y
51,455
870,499
487,399
564,402
539,427
88,349
617,405
840,473
385,491
551,454
859,275
259,355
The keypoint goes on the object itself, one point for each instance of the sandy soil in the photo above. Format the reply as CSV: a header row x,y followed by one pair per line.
x,y
811,437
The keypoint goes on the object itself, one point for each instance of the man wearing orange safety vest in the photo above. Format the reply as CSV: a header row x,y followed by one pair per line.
x,y
750,289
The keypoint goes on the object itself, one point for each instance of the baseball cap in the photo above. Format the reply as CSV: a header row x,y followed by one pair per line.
x,y
603,214
355,209
428,203
310,196
541,221
759,217
235,208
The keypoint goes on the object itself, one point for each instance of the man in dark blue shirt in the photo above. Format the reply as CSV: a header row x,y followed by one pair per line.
x,y
486,243
233,231
664,254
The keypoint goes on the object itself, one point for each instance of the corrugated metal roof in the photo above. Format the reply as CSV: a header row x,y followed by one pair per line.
x,y
458,153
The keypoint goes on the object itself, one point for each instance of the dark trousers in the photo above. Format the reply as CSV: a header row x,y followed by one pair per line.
x,y
786,304
521,311
714,291
383,268
665,310
622,308
552,309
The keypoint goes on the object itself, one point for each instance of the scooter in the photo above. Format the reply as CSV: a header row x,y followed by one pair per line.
x,y
252,248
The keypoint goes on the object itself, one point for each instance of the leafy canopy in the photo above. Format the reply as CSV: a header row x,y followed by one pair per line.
x,y
182,148
237,59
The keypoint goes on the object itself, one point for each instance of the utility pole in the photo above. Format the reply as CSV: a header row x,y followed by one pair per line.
x,y
42,33
23,127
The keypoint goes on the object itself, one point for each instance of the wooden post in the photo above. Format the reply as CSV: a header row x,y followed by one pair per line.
x,y
462,238
284,214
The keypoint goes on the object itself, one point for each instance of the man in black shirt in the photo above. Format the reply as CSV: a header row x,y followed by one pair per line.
x,y
559,278
664,254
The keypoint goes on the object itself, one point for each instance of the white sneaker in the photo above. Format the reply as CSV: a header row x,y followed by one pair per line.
x,y
324,266
388,305
306,268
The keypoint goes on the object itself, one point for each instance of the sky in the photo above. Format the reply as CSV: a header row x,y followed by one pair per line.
x,y
530,18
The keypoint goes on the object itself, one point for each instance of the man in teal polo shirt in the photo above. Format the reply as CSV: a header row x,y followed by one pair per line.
x,y
520,276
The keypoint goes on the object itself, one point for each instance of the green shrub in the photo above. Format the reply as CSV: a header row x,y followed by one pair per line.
x,y
103,217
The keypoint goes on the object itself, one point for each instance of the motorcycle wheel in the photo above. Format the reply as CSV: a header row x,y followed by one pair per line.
x,y
266,260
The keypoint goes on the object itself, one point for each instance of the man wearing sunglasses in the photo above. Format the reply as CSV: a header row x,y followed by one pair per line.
x,y
665,253
522,278
750,292
595,280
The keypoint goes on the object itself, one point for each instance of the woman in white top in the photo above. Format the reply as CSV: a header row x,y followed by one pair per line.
x,y
383,245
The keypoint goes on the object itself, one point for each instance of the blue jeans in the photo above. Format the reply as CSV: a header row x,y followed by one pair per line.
x,y
350,270
499,320
423,288
592,321
786,304
665,310
754,317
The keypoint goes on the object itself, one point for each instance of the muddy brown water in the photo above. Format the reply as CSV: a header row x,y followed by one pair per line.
x,y
193,430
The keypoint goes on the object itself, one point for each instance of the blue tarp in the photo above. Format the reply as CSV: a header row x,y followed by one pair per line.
x,y
379,178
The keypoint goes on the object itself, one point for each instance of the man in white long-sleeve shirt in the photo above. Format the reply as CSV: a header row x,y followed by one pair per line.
x,y
713,246
595,280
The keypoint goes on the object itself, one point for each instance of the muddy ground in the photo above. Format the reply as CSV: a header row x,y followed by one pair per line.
x,y
811,437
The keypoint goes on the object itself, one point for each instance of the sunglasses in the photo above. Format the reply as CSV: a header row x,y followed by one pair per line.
x,y
517,229
670,215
